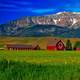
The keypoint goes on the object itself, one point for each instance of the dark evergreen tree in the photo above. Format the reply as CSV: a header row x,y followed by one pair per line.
x,y
68,45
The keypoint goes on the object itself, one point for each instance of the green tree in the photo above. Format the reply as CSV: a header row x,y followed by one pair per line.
x,y
68,45
77,45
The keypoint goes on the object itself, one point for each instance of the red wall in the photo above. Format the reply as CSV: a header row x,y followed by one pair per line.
x,y
51,47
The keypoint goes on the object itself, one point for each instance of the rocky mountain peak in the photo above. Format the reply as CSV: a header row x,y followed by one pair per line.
x,y
64,19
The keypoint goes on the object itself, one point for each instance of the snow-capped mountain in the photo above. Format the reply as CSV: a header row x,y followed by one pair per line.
x,y
63,24
64,19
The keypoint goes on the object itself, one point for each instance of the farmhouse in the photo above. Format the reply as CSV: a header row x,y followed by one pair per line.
x,y
22,47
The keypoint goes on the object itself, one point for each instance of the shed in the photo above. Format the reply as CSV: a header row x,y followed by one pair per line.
x,y
22,47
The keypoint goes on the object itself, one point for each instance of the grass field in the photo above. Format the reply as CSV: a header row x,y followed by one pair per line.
x,y
42,56
39,65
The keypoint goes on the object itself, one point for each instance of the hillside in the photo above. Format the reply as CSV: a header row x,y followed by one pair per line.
x,y
39,31
64,19
64,24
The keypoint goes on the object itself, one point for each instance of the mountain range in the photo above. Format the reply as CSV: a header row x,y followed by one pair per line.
x,y
62,24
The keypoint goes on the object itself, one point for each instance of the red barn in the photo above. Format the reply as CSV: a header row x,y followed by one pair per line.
x,y
51,47
60,45
56,45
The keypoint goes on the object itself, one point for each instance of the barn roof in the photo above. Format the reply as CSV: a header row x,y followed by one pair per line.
x,y
20,46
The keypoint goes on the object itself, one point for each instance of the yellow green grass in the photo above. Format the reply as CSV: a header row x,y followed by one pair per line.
x,y
42,56
39,65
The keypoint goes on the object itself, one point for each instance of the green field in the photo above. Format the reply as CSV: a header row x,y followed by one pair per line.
x,y
39,65
42,56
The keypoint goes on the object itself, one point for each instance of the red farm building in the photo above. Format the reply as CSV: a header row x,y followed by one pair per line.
x,y
60,45
51,47
22,47
57,46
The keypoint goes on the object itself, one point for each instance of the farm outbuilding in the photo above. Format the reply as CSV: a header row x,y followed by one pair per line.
x,y
60,45
22,47
51,47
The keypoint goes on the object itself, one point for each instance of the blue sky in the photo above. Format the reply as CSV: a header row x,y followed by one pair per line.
x,y
14,9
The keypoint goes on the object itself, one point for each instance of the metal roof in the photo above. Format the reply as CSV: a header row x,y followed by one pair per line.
x,y
20,46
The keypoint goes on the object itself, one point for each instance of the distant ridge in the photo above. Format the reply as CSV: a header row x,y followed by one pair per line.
x,y
39,31
62,24
69,19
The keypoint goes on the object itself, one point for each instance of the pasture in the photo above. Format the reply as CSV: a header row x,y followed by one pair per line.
x,y
39,65
42,56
